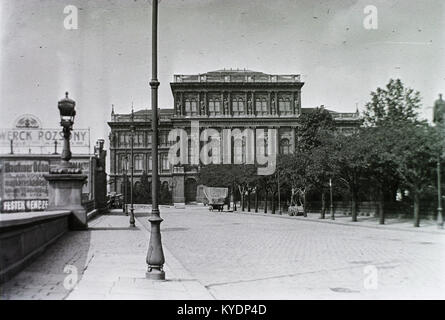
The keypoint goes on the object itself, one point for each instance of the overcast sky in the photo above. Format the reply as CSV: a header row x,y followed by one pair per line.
x,y
107,60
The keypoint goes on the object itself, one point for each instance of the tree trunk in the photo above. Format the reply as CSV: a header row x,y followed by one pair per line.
x,y
234,200
304,204
416,209
323,205
265,201
256,201
248,201
380,206
242,202
273,203
354,205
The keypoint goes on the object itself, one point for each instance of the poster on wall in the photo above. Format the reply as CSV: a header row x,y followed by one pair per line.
x,y
23,186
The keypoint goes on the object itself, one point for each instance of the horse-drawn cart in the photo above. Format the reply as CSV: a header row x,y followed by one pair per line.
x,y
216,197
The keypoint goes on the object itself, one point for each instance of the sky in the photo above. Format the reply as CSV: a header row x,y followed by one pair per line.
x,y
107,60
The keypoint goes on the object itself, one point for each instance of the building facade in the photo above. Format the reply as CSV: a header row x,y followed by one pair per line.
x,y
221,100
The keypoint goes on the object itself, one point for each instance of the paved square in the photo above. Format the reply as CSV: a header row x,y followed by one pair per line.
x,y
239,256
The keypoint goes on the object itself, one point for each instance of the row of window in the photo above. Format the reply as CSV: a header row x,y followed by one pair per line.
x,y
144,163
238,107
125,139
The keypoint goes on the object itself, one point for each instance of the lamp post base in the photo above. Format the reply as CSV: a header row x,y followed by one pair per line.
x,y
155,274
155,255
132,220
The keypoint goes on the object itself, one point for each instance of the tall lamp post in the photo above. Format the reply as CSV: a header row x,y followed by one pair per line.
x,y
155,255
439,120
125,167
132,221
332,203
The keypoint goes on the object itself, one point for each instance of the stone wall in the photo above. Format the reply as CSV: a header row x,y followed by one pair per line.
x,y
23,236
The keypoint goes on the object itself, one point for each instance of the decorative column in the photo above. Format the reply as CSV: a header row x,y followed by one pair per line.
x,y
254,113
294,142
277,111
270,103
206,103
229,99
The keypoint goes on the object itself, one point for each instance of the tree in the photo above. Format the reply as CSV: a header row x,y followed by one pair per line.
x,y
310,125
392,106
293,170
416,158
390,111
323,166
352,165
380,143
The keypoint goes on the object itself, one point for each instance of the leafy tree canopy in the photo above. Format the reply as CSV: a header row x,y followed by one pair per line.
x,y
392,105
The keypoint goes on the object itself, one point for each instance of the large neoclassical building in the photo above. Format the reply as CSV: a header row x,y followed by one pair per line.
x,y
223,99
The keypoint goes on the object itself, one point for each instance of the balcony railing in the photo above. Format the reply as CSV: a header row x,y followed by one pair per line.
x,y
237,78
346,115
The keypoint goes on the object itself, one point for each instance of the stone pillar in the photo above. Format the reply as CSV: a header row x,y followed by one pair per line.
x,y
65,193
229,99
254,113
206,103
277,105
182,104
294,142
270,104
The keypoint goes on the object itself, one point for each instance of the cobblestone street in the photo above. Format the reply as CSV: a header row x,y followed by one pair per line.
x,y
238,256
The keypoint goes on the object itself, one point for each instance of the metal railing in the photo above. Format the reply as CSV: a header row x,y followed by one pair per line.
x,y
237,78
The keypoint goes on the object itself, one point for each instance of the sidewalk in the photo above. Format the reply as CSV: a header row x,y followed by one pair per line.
x,y
105,262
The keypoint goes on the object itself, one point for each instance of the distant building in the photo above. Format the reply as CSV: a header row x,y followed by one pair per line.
x,y
223,99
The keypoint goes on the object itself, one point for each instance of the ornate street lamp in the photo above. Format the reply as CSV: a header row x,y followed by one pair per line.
x,y
65,181
67,114
155,255
132,221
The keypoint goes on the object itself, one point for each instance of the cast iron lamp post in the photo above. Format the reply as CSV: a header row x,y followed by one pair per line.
x,y
155,255
132,221
439,120
332,203
125,168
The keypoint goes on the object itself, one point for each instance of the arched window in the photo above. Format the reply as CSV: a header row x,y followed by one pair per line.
x,y
150,163
238,106
263,145
284,146
284,106
138,162
165,164
191,107
214,107
239,150
261,106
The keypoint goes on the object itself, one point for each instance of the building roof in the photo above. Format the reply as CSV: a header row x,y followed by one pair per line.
x,y
234,71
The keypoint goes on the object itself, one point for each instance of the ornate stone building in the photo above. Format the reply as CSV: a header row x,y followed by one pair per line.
x,y
223,99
